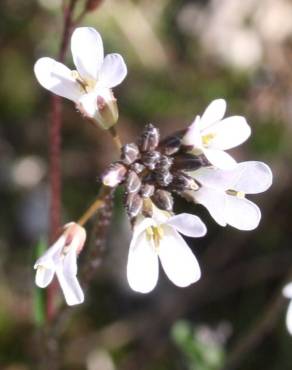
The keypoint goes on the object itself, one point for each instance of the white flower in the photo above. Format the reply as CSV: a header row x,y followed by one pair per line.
x,y
222,192
159,237
90,86
211,135
287,292
61,258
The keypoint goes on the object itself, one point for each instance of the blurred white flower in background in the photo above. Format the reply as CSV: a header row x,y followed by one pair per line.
x,y
287,292
238,32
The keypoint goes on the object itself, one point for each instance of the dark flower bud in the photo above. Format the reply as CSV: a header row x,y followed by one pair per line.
x,y
170,145
149,139
164,163
134,204
182,182
147,190
187,162
130,153
163,178
150,159
133,183
114,174
91,5
163,200
137,167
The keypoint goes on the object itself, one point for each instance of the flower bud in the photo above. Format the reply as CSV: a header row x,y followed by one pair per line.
x,y
150,159
130,153
147,190
163,178
134,204
163,200
133,183
187,162
114,175
91,5
149,139
137,167
171,144
182,182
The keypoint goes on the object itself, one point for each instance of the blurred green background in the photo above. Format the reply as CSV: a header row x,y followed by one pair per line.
x,y
180,55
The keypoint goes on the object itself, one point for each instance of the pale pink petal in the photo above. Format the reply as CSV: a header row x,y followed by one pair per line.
x,y
220,159
193,135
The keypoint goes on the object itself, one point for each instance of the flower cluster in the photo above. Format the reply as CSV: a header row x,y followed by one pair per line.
x,y
192,163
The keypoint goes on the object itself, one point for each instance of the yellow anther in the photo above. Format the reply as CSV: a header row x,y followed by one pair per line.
x,y
238,194
155,233
207,138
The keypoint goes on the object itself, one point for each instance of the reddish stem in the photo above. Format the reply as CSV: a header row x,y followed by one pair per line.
x,y
55,154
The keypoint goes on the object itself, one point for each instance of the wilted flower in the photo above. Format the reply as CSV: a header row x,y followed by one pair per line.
x,y
61,258
222,192
90,86
158,237
211,135
287,292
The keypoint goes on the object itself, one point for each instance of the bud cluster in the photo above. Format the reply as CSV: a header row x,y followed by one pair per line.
x,y
152,170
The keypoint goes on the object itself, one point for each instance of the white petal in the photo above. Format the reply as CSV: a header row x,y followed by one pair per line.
x,y
193,135
142,267
254,177
88,105
214,201
241,213
215,178
57,78
228,133
43,276
220,159
213,113
113,71
87,52
289,318
188,225
71,288
287,290
177,259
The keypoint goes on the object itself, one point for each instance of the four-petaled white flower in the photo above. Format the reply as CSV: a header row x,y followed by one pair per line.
x,y
222,192
211,135
61,259
287,292
90,86
159,236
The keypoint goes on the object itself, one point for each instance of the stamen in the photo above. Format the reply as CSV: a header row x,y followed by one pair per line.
x,y
238,194
207,138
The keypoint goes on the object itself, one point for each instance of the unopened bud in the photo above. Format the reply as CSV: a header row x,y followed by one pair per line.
x,y
133,183
150,159
164,163
147,190
137,167
163,178
130,153
163,200
134,204
114,175
187,162
149,139
75,235
170,145
182,182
